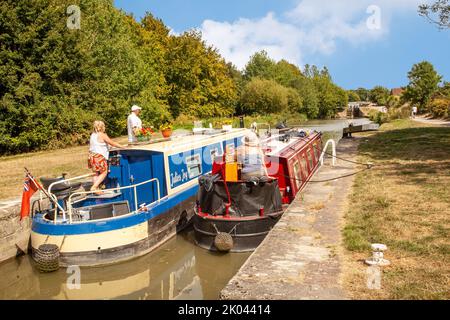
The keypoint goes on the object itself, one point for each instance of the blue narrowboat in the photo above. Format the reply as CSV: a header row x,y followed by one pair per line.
x,y
150,195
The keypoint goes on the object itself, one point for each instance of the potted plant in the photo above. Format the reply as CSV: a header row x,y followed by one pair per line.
x,y
144,134
166,129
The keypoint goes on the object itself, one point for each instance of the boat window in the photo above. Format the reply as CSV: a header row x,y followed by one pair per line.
x,y
318,151
304,165
194,166
310,159
297,174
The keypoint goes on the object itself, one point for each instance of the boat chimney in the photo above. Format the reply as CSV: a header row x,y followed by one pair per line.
x,y
261,212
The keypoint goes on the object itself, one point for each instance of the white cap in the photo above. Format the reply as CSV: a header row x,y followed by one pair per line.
x,y
135,108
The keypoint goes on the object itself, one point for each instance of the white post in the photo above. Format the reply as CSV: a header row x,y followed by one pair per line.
x,y
135,199
333,145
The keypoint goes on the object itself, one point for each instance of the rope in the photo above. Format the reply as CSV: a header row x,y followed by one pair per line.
x,y
331,179
327,153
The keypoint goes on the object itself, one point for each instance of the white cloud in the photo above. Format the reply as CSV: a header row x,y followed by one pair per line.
x,y
237,41
311,27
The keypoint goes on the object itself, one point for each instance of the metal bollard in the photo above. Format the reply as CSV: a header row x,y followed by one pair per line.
x,y
377,258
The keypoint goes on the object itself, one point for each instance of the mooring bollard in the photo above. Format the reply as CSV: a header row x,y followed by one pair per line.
x,y
377,258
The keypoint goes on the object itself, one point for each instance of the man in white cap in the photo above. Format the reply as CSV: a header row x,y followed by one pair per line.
x,y
134,123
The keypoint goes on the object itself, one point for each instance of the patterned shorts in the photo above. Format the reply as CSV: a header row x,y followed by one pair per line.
x,y
97,162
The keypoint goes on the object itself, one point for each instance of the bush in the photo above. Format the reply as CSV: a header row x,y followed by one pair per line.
x,y
440,107
402,112
378,117
262,96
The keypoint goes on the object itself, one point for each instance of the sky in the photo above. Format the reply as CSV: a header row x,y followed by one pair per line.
x,y
363,43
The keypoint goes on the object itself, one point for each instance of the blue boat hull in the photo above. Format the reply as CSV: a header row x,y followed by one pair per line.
x,y
107,242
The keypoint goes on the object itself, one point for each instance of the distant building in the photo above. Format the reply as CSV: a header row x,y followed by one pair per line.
x,y
397,92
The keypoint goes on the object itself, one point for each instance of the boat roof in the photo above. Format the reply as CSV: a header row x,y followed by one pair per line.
x,y
186,140
278,147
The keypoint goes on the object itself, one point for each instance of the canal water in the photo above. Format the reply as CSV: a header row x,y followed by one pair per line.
x,y
176,270
332,129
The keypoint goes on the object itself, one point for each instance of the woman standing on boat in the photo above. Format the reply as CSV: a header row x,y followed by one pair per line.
x,y
99,154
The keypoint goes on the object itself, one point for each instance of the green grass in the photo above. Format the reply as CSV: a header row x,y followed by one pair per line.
x,y
403,202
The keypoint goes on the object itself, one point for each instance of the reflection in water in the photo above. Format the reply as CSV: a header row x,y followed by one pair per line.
x,y
177,270
332,125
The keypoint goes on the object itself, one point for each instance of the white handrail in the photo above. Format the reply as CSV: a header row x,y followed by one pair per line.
x,y
69,201
333,144
68,180
60,182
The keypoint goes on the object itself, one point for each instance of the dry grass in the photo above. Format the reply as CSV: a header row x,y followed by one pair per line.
x,y
317,206
403,202
46,163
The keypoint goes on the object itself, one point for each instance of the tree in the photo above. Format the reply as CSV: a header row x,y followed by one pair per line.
x,y
261,66
285,73
58,80
331,98
261,96
295,101
392,101
423,83
353,96
444,91
379,95
437,13
363,94
309,95
199,79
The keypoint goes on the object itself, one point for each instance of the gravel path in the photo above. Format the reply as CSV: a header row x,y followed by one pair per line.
x,y
432,121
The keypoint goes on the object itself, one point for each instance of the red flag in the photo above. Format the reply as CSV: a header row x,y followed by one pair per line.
x,y
30,186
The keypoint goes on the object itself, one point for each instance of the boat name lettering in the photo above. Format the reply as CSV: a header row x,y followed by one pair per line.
x,y
176,177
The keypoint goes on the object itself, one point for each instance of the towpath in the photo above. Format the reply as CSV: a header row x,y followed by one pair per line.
x,y
438,122
301,257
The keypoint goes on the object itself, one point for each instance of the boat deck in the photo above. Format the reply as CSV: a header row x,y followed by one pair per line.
x,y
276,147
181,140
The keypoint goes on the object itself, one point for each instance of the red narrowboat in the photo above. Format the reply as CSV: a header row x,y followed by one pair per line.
x,y
293,163
247,192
